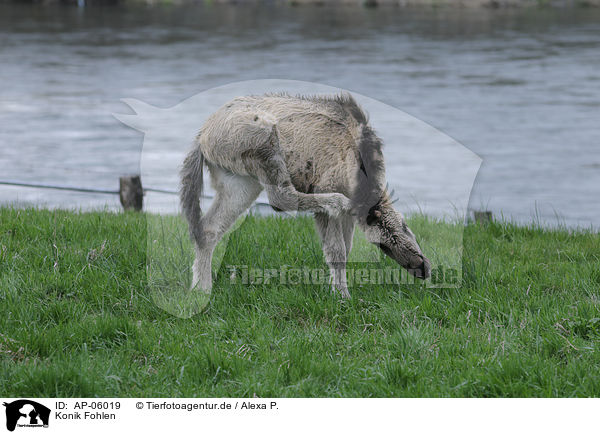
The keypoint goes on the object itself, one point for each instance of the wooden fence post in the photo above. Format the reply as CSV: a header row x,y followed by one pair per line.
x,y
131,192
482,217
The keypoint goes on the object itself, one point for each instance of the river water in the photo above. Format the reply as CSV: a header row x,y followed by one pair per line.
x,y
519,88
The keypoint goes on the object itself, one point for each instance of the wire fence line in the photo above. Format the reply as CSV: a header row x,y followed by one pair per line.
x,y
98,190
84,189
57,187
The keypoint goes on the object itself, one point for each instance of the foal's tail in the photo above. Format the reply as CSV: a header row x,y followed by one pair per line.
x,y
191,190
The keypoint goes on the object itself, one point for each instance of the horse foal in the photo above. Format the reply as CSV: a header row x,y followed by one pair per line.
x,y
315,154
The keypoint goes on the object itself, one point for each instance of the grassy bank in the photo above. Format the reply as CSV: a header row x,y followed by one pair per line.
x,y
77,319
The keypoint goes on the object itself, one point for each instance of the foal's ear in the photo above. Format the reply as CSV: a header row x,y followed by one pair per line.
x,y
373,216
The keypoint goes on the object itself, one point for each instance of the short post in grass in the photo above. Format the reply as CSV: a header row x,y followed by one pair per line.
x,y
131,192
483,217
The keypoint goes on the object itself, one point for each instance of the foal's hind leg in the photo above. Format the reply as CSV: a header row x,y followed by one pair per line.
x,y
274,176
234,194
267,163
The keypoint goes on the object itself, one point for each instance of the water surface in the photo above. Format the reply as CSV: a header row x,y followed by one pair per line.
x,y
521,88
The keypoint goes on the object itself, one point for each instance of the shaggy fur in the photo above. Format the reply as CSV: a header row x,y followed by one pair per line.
x,y
310,153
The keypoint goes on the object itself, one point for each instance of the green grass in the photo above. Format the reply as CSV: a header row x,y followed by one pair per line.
x,y
268,244
78,315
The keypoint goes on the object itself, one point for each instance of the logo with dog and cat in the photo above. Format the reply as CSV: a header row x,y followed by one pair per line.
x,y
25,413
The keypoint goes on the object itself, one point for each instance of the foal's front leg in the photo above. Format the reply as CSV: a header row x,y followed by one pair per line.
x,y
334,247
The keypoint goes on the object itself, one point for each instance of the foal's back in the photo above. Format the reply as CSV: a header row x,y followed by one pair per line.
x,y
316,136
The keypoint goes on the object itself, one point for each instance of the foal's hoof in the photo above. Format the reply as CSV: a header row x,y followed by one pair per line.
x,y
345,204
343,293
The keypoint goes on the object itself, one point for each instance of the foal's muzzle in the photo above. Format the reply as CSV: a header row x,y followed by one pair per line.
x,y
421,268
